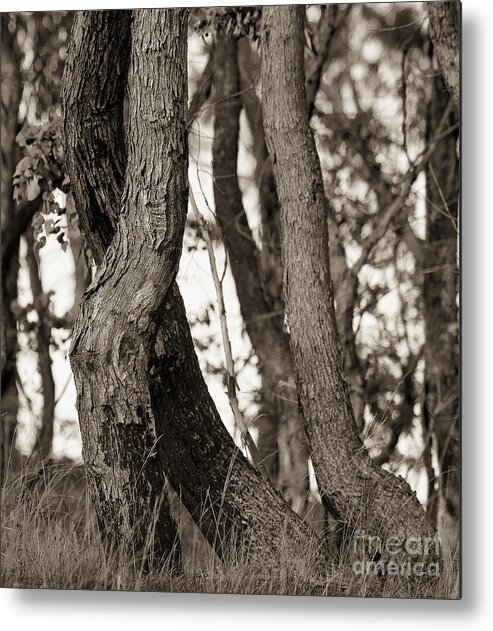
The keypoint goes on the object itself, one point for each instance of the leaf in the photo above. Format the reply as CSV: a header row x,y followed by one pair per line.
x,y
32,189
38,221
23,164
48,226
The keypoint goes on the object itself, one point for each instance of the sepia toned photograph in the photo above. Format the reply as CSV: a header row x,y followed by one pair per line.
x,y
230,328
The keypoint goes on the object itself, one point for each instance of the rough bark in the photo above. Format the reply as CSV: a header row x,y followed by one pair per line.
x,y
282,441
445,33
440,290
346,283
11,90
44,438
364,495
117,322
224,494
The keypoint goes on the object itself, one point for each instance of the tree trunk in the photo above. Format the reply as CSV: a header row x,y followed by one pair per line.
x,y
282,440
11,91
44,437
118,317
445,33
224,494
363,494
440,291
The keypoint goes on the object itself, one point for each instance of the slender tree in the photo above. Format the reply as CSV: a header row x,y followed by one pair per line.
x,y
282,441
44,437
362,493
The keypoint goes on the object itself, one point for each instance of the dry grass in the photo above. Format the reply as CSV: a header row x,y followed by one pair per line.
x,y
50,540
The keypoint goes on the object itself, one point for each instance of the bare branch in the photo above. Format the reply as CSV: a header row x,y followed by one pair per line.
x,y
230,366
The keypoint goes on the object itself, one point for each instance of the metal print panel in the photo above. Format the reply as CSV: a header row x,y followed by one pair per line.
x,y
230,288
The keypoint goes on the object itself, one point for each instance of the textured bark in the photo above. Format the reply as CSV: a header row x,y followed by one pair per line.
x,y
364,495
440,290
224,494
269,256
117,323
93,123
282,441
11,90
445,33
44,438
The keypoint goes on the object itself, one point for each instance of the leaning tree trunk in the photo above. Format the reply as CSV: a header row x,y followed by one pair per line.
x,y
224,494
11,91
440,291
364,495
445,33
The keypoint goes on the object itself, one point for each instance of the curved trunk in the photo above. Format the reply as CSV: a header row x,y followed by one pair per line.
x,y
363,494
117,322
225,495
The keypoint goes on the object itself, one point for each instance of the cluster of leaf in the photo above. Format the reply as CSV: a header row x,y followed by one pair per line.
x,y
234,21
41,168
41,173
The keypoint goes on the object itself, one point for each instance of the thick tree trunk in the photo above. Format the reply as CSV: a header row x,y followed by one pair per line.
x,y
11,91
440,291
282,441
224,494
364,495
445,33
44,437
118,318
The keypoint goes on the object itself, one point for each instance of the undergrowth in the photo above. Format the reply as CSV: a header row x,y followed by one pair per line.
x,y
50,540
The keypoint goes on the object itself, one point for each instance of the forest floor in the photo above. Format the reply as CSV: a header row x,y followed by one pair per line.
x,y
50,540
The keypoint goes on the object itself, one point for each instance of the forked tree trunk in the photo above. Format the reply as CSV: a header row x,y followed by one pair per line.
x,y
364,495
118,319
224,494
440,291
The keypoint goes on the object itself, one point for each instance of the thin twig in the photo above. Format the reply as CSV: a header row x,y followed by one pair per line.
x,y
246,437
